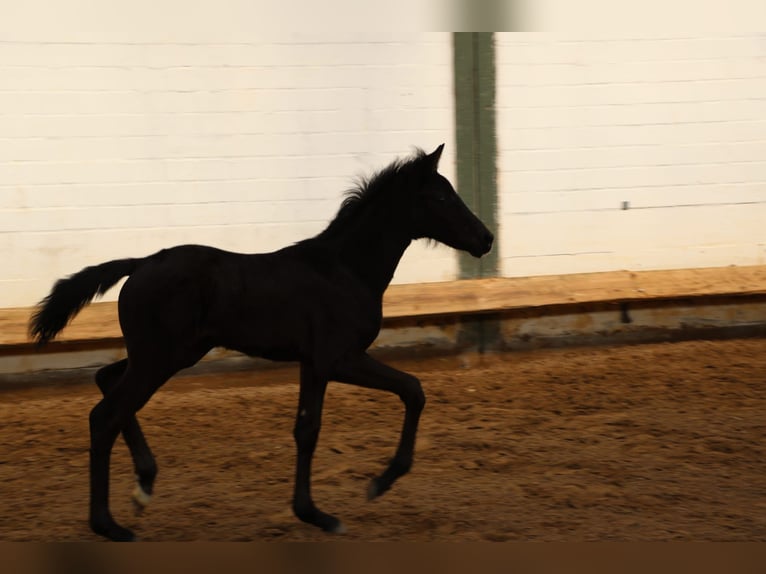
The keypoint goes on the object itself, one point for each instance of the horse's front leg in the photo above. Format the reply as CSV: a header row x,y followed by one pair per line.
x,y
364,371
306,433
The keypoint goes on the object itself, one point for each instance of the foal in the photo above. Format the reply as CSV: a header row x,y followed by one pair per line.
x,y
318,302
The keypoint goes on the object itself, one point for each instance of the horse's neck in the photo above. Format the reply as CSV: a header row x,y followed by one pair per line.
x,y
373,253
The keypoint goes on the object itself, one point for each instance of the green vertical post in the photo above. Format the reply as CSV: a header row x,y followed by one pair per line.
x,y
474,78
474,71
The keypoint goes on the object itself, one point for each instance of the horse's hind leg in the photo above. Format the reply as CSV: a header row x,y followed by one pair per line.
x,y
143,461
107,419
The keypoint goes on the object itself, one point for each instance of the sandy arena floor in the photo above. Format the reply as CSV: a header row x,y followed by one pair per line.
x,y
648,442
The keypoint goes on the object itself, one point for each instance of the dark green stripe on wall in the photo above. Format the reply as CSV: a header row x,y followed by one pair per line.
x,y
474,70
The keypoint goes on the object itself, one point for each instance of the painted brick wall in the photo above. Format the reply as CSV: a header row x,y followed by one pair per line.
x,y
671,126
120,140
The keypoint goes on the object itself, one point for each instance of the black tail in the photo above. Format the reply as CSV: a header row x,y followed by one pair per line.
x,y
72,293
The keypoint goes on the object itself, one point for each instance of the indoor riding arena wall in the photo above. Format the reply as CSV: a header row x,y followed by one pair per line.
x,y
119,140
640,150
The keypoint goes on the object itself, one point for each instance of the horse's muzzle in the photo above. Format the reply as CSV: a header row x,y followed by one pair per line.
x,y
486,239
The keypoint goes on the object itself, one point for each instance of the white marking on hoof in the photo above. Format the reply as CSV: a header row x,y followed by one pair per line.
x,y
140,497
340,529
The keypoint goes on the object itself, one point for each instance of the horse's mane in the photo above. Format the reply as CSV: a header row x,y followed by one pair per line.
x,y
368,189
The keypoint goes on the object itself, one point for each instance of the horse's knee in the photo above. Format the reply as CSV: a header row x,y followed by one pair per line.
x,y
306,430
414,398
306,438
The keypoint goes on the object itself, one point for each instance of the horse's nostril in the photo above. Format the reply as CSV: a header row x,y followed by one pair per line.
x,y
489,239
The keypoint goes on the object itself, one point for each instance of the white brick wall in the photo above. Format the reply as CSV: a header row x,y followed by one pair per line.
x,y
115,142
673,124
119,137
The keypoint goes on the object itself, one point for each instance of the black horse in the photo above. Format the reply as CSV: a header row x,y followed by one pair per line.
x,y
318,302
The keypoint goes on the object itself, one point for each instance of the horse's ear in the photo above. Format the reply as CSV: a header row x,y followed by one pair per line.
x,y
433,158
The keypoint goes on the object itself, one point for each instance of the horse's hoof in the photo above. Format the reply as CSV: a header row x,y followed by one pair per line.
x,y
375,489
124,535
330,524
114,532
315,517
372,489
141,499
339,528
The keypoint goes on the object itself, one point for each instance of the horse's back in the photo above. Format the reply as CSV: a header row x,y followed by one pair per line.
x,y
286,304
270,304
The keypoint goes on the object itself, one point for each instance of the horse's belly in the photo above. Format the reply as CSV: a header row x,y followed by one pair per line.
x,y
272,354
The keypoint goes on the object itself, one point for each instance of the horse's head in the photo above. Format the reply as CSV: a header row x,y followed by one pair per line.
x,y
439,213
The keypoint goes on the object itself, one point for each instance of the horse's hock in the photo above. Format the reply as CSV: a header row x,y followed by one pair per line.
x,y
525,312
